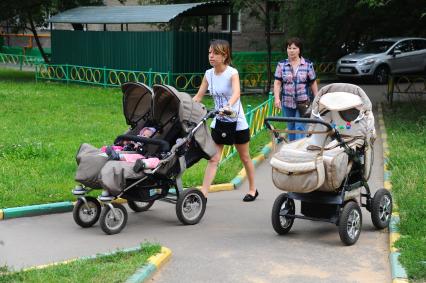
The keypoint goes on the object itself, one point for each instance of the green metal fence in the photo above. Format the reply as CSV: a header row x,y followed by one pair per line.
x,y
413,86
98,76
20,60
189,82
255,118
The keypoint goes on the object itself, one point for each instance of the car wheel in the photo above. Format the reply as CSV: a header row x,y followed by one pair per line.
x,y
381,74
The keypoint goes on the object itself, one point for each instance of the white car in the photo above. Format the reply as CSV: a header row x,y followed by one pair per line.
x,y
381,57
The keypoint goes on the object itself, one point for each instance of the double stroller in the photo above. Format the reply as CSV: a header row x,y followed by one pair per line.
x,y
328,170
181,139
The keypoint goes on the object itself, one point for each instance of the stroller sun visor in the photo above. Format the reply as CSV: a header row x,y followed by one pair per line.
x,y
165,105
340,101
137,98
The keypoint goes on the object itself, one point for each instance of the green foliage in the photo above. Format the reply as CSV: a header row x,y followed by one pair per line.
x,y
116,267
43,124
406,129
330,29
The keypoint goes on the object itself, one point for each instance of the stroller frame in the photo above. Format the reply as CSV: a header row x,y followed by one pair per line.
x,y
332,207
156,183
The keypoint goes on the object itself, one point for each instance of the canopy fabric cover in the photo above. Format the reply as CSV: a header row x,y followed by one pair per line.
x,y
137,99
139,14
168,102
339,101
366,125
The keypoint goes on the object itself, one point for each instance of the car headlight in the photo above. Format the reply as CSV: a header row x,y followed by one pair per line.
x,y
367,62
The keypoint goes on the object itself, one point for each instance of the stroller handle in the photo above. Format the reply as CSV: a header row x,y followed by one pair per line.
x,y
165,146
334,133
298,120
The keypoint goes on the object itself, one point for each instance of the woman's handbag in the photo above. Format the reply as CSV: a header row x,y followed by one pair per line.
x,y
304,108
224,132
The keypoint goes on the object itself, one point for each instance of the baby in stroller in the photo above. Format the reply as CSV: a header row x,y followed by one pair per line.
x,y
181,139
131,151
328,170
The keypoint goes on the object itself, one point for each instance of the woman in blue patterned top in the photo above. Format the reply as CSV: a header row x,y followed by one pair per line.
x,y
293,78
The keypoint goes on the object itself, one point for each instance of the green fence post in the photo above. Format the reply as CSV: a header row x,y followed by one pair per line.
x,y
21,59
105,77
36,73
270,103
150,77
250,119
168,77
67,73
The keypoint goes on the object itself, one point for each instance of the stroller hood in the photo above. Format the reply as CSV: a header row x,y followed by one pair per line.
x,y
137,99
169,102
340,96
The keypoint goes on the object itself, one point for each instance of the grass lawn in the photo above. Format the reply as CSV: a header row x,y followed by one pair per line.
x,y
116,267
406,129
43,125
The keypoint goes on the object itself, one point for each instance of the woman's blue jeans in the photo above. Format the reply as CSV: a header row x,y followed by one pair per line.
x,y
290,112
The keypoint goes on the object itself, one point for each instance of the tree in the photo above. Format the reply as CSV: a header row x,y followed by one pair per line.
x,y
331,29
263,12
27,15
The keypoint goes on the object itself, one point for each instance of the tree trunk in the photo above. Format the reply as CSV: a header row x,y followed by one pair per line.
x,y
268,47
37,39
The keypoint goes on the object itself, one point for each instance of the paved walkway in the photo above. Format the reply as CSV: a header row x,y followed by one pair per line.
x,y
234,242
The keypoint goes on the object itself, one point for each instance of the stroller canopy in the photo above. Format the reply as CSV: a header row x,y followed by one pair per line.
x,y
169,102
339,101
137,99
340,96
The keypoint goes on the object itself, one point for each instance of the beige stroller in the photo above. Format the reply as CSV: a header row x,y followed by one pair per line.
x,y
328,170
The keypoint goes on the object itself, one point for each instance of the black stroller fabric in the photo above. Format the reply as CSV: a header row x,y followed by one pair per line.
x,y
174,115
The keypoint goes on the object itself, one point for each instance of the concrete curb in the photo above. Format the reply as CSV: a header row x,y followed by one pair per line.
x,y
32,210
398,272
142,274
241,176
67,206
154,264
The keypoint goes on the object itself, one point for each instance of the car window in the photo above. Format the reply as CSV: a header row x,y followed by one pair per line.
x,y
419,44
404,46
376,47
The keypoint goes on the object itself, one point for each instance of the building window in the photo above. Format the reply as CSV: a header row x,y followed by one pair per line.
x,y
236,23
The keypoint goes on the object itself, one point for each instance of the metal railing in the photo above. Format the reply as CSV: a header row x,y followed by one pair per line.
x,y
414,85
20,60
255,118
99,76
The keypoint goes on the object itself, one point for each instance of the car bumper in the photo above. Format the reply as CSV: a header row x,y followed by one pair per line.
x,y
354,71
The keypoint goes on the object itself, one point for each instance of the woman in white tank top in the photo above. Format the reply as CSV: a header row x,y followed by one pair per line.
x,y
223,83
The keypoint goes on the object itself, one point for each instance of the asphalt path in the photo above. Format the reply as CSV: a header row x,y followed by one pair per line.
x,y
234,242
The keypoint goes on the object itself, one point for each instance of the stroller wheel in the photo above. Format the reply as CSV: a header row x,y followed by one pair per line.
x,y
282,206
350,223
140,206
113,220
86,214
190,206
381,209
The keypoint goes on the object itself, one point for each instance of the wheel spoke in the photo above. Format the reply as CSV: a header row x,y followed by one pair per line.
x,y
88,212
192,206
354,224
384,209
